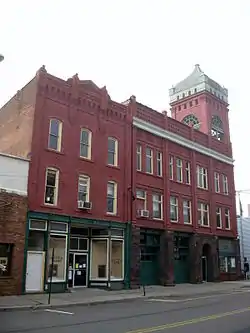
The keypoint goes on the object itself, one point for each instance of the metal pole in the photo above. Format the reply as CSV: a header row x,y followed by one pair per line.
x,y
242,236
51,274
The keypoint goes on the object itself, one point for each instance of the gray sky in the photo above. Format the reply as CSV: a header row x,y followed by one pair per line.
x,y
138,47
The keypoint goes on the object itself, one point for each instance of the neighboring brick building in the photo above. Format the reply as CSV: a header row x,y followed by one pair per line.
x,y
13,217
113,187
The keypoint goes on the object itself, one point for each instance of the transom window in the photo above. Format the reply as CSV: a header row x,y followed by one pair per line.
x,y
85,143
173,209
149,160
51,187
112,151
157,206
203,214
202,179
55,134
112,198
83,188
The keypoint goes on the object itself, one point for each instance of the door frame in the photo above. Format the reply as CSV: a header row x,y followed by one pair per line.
x,y
43,272
204,259
87,268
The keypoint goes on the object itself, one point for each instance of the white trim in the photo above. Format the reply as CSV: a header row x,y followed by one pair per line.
x,y
156,130
15,157
74,269
13,191
123,257
90,261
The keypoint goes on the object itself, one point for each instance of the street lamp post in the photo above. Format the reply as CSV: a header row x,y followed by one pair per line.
x,y
1,57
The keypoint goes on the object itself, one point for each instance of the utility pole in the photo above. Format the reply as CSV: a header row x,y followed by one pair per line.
x,y
241,232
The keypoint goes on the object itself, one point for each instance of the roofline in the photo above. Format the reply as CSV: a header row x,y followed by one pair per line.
x,y
15,157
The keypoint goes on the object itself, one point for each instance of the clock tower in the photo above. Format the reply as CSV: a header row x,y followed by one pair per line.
x,y
202,103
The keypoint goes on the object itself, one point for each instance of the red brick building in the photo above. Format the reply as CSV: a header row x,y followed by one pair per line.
x,y
124,194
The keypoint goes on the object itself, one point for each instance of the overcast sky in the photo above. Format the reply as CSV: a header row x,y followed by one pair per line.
x,y
138,47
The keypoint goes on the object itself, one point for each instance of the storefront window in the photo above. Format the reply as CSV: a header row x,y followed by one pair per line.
x,y
99,259
5,259
227,264
36,240
116,259
59,243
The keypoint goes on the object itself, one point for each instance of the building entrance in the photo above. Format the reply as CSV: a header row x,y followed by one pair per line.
x,y
78,264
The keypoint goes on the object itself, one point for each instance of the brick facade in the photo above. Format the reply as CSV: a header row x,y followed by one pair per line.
x,y
13,213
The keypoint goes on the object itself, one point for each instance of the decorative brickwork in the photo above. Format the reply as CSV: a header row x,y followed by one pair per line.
x,y
13,214
135,257
167,258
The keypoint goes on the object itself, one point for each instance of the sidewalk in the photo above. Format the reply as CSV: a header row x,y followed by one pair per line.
x,y
97,296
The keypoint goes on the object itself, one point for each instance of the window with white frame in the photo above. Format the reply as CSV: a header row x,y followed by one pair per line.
x,y
179,171
203,214
141,198
51,186
83,188
138,158
187,212
171,167
173,209
112,198
159,163
217,182
112,151
187,173
85,143
55,135
218,218
149,160
225,184
227,219
157,206
202,178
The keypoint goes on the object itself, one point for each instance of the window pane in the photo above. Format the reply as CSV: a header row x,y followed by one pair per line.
x,y
36,240
54,127
51,178
85,137
111,158
58,227
99,259
74,243
110,205
83,244
59,269
111,145
116,259
53,142
83,150
111,189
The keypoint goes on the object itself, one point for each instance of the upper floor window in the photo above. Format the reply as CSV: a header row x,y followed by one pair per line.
x,y
225,184
159,163
138,158
218,218
179,174
141,197
51,187
149,160
202,180
55,134
85,143
217,182
83,188
203,214
171,167
227,219
112,151
157,206
173,209
187,173
187,212
112,198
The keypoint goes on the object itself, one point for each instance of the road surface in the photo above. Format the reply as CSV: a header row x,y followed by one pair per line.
x,y
228,313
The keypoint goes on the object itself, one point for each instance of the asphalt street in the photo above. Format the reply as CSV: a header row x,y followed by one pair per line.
x,y
228,313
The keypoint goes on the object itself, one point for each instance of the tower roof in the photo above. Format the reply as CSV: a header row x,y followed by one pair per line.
x,y
196,82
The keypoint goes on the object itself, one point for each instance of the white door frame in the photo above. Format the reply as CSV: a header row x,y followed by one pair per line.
x,y
87,264
26,274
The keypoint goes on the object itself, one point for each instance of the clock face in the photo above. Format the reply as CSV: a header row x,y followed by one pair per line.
x,y
191,121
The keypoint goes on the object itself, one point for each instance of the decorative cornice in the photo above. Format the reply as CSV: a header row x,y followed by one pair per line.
x,y
181,141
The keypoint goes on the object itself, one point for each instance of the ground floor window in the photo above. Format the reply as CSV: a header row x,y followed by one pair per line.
x,y
227,264
5,259
59,244
116,259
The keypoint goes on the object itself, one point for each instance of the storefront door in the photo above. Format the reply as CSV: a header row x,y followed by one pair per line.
x,y
80,270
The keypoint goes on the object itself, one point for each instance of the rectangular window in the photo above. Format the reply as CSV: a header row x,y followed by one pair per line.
x,y
85,143
179,174
112,198
59,244
149,160
99,259
138,158
51,186
225,184
171,167
157,206
187,212
112,152
187,173
218,218
203,214
5,259
141,197
83,188
173,209
227,219
202,181
55,134
217,182
159,163
116,259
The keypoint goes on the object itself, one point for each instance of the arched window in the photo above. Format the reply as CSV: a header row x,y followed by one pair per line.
x,y
192,121
217,128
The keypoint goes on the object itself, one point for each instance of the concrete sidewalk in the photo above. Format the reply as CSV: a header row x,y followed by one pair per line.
x,y
97,296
